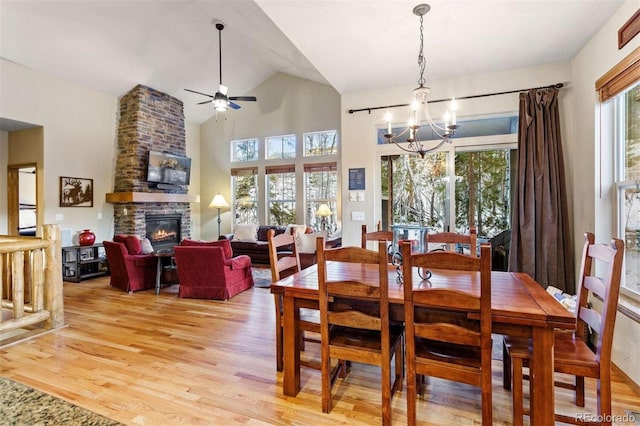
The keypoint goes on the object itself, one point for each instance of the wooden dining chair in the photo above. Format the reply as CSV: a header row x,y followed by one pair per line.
x,y
354,321
283,264
451,239
378,235
572,354
441,340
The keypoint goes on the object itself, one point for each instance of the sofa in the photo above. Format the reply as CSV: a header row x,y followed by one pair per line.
x,y
252,241
208,270
131,269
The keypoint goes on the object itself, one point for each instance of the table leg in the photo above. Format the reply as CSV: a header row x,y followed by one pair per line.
x,y
291,372
542,390
158,275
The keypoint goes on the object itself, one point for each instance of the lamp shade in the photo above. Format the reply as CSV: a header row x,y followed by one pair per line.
x,y
324,210
218,202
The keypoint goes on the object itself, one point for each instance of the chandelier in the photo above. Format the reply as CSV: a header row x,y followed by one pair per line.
x,y
419,108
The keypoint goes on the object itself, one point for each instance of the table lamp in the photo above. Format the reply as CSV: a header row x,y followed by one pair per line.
x,y
323,212
218,202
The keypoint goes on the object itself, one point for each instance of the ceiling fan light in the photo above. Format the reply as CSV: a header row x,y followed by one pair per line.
x,y
220,105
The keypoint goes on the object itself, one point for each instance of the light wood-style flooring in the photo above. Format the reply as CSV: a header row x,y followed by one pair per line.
x,y
143,359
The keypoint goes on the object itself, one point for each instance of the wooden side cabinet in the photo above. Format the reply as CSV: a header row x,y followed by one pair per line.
x,y
83,262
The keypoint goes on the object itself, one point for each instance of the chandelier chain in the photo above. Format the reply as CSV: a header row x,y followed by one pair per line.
x,y
422,63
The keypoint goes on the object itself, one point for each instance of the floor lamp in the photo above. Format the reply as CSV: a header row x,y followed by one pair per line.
x,y
218,202
323,212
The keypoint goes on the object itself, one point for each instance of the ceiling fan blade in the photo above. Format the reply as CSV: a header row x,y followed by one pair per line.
x,y
205,102
234,105
243,98
199,93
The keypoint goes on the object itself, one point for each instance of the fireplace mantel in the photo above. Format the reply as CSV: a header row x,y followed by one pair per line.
x,y
150,197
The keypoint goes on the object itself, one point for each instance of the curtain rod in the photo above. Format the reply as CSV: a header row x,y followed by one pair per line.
x,y
556,86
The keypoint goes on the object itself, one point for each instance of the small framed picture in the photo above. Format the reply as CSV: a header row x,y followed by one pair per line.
x,y
76,192
356,179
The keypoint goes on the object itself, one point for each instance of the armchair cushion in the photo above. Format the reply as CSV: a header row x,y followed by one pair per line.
x,y
238,262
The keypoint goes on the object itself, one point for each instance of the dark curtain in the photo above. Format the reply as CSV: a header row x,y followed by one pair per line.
x,y
540,237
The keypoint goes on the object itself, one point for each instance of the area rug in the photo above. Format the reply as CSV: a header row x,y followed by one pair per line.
x,y
22,405
261,277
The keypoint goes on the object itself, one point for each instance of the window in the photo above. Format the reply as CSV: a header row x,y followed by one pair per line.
x,y
244,150
281,194
483,190
321,186
619,92
320,143
245,195
627,140
281,147
465,184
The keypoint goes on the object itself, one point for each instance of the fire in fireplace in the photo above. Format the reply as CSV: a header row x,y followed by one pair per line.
x,y
163,230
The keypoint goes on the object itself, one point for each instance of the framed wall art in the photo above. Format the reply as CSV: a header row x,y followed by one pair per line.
x,y
76,192
356,179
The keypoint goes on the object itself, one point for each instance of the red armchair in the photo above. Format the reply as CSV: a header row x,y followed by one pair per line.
x,y
130,272
207,270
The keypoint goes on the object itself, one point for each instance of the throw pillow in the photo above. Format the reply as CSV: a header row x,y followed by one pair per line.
x,y
133,244
147,248
337,234
245,232
300,228
307,242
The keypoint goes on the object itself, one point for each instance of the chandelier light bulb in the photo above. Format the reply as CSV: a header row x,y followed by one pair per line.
x,y
387,118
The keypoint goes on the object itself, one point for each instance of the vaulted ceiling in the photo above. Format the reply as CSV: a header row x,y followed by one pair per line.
x,y
352,45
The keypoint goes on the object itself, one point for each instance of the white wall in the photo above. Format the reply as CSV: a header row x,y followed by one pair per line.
x,y
589,165
359,129
286,105
79,140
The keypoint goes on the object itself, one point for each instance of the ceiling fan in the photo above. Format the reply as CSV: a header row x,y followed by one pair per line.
x,y
220,100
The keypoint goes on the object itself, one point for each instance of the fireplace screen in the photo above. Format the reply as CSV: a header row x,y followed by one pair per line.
x,y
163,231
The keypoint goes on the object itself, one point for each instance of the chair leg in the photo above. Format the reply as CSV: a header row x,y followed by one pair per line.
x,y
517,394
412,395
506,367
279,348
579,385
326,384
604,398
386,391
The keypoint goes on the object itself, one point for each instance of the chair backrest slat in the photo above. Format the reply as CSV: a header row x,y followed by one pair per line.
x,y
343,302
280,262
378,235
447,299
606,287
452,238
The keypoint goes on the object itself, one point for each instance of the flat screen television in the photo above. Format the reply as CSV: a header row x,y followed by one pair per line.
x,y
168,168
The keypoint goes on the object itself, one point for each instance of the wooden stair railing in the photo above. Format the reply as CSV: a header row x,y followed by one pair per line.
x,y
31,286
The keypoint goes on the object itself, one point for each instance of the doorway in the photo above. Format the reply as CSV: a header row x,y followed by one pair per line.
x,y
22,196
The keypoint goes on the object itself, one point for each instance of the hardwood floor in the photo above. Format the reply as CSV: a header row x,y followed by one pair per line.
x,y
159,360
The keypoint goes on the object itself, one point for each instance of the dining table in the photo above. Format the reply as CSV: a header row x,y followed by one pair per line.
x,y
520,307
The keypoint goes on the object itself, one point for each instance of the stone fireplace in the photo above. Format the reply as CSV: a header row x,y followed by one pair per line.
x,y
149,121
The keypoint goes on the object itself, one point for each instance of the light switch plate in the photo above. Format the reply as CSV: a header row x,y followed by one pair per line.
x,y
59,217
353,196
360,195
359,216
